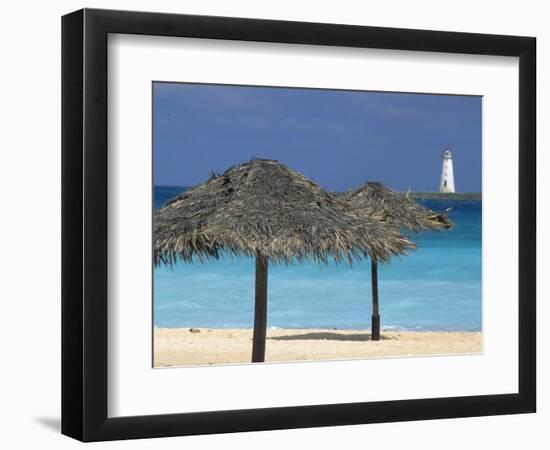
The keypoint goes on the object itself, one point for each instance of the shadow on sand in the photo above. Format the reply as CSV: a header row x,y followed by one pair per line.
x,y
327,336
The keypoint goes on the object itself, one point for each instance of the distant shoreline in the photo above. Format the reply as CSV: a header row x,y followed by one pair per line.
x,y
445,196
452,196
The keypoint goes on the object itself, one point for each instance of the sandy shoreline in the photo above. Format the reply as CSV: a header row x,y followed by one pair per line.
x,y
180,346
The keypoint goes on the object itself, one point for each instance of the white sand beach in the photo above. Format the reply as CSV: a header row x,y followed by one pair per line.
x,y
182,347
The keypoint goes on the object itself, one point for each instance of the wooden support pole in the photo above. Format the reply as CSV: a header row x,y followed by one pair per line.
x,y
260,310
375,324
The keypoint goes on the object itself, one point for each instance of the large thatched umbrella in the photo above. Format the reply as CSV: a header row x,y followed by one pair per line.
x,y
377,202
265,210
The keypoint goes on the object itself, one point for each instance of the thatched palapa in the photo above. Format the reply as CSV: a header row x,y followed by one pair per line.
x,y
387,206
265,210
376,202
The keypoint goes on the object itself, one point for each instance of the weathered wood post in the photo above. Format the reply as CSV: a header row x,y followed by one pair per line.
x,y
260,310
375,324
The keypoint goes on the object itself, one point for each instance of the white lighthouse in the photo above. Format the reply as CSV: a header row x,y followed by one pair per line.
x,y
447,175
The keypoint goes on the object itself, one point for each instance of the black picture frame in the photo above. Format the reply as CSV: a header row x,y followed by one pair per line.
x,y
84,224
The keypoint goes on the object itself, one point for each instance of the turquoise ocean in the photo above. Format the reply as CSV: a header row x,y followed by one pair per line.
x,y
436,287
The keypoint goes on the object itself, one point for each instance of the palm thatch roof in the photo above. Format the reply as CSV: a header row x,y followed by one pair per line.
x,y
264,208
378,202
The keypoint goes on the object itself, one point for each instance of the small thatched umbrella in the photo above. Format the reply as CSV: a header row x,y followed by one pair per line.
x,y
377,202
265,210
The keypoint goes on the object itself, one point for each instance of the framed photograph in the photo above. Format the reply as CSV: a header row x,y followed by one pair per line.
x,y
272,224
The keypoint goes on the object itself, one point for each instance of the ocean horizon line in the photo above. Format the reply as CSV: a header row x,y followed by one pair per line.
x,y
187,186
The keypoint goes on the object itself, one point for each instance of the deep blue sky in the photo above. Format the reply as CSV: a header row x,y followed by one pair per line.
x,y
337,138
